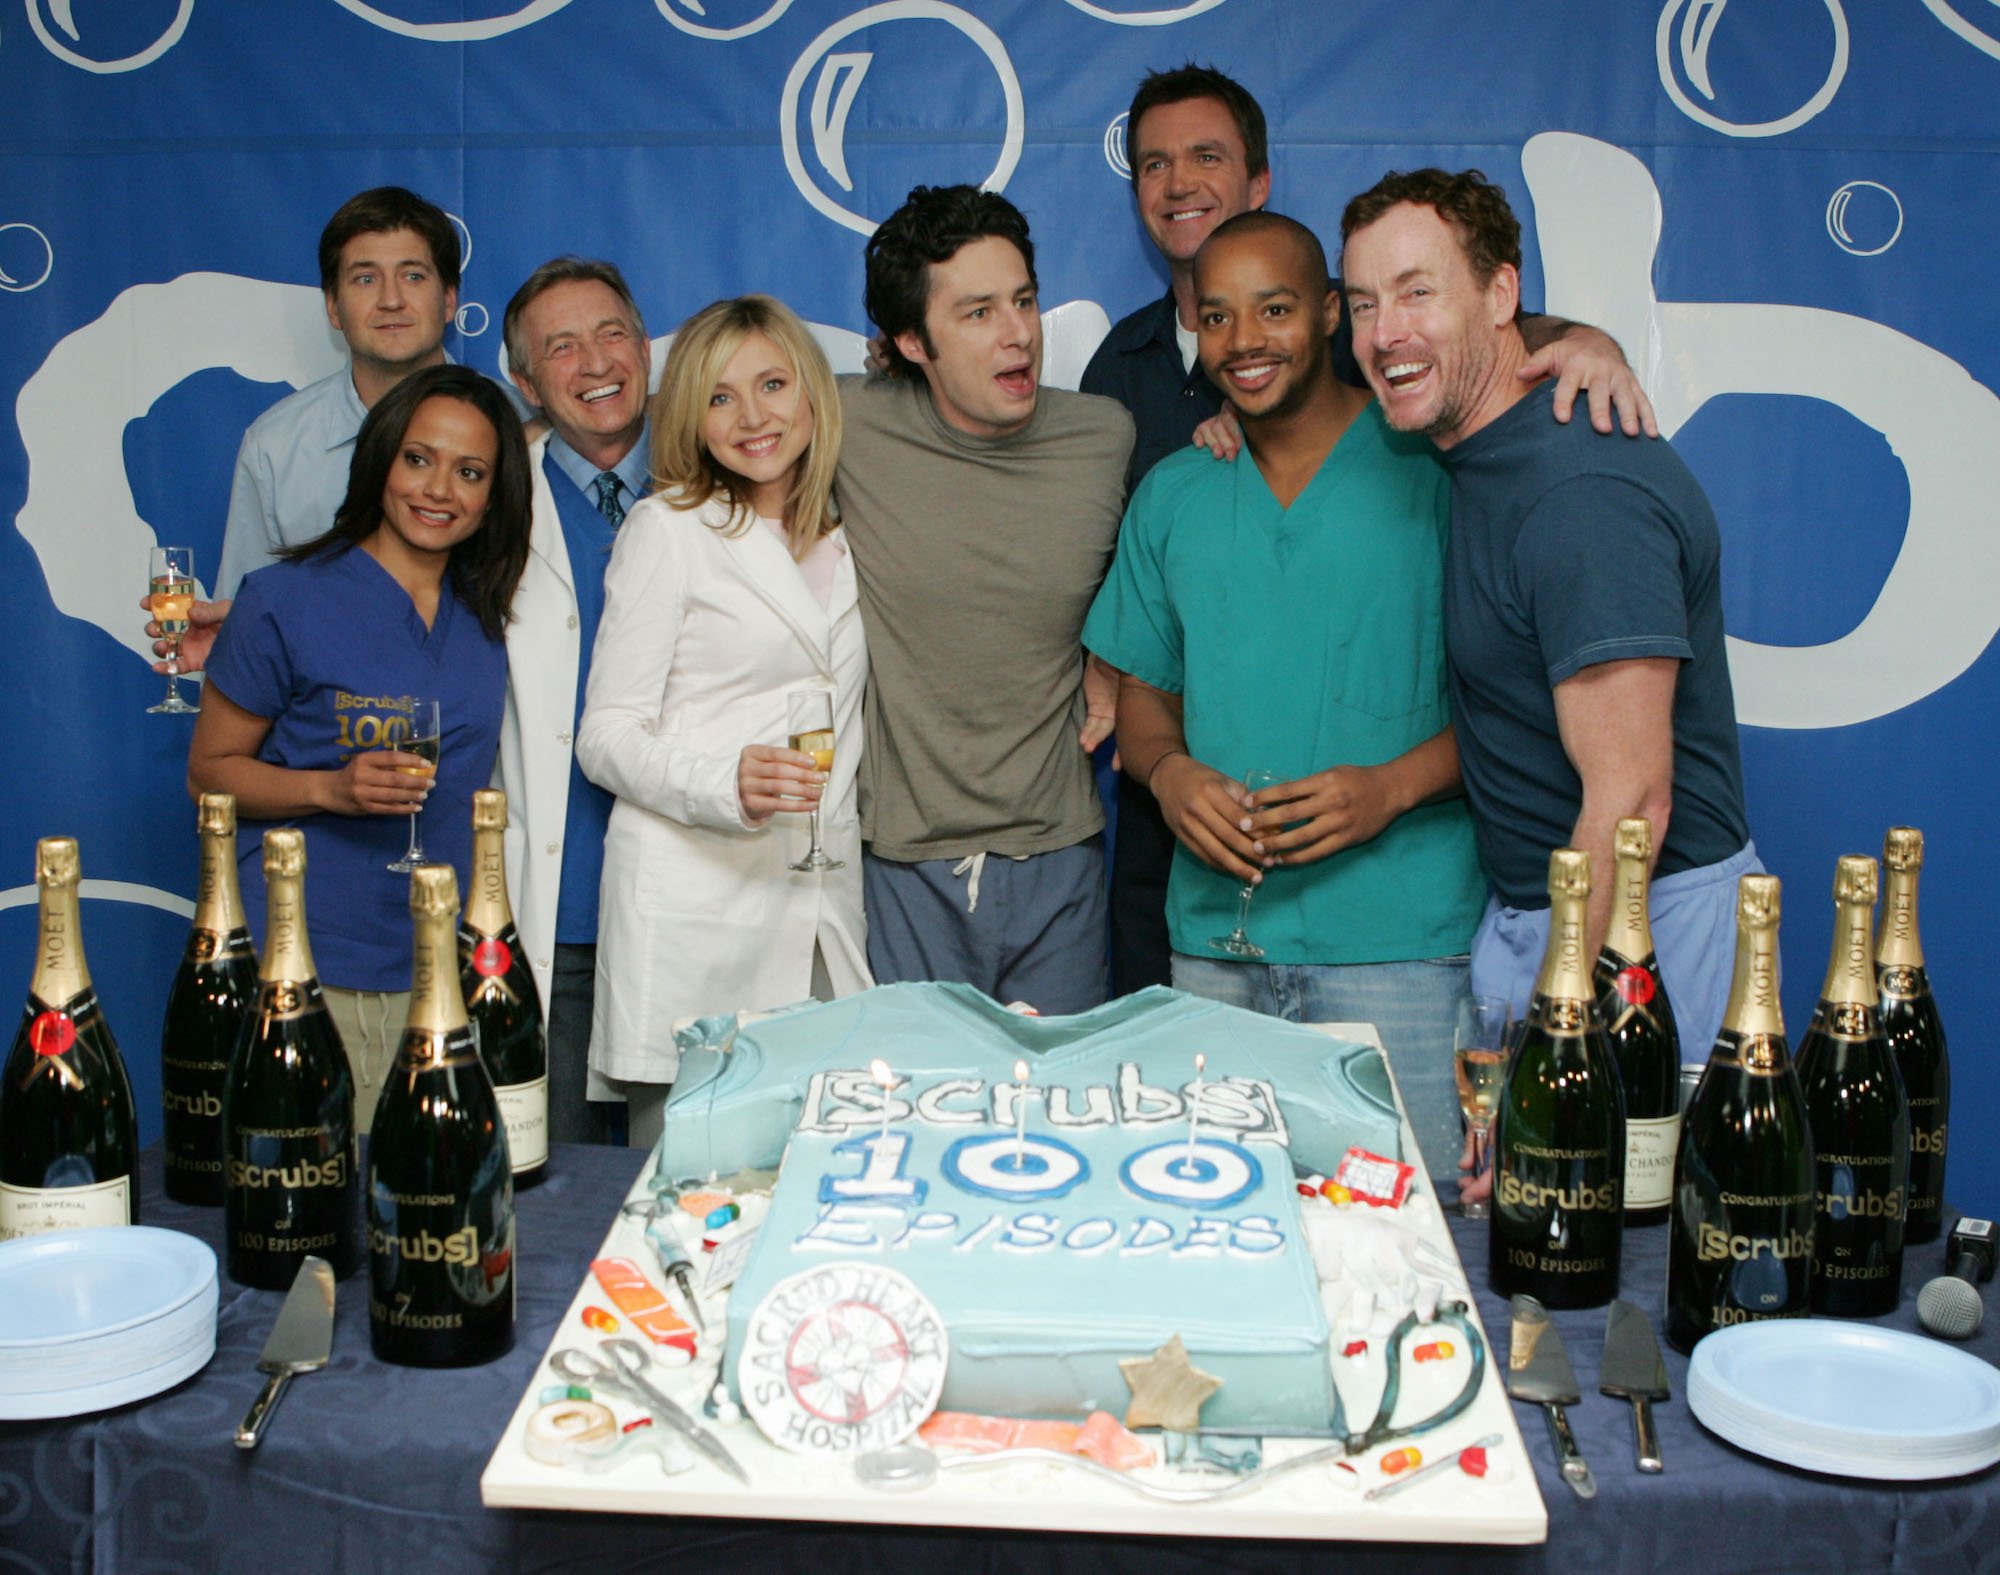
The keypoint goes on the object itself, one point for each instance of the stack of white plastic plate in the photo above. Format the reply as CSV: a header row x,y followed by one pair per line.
x,y
96,1318
1847,1398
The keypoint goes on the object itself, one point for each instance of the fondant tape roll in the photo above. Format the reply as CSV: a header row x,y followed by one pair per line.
x,y
563,1430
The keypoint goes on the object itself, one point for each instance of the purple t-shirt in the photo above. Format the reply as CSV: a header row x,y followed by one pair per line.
x,y
331,649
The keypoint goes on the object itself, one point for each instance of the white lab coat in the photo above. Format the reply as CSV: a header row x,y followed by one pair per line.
x,y
544,646
703,636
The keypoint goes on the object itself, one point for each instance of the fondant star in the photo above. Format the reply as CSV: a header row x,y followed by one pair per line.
x,y
1167,1389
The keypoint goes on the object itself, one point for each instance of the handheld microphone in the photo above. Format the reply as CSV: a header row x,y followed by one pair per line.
x,y
1950,1306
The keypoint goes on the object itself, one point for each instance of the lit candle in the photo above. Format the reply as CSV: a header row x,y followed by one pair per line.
x,y
1194,1108
879,1070
1020,1113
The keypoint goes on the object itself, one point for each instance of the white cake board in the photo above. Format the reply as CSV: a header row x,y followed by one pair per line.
x,y
1320,1503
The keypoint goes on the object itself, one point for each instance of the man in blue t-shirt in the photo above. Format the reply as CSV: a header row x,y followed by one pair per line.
x,y
1284,613
1583,602
577,350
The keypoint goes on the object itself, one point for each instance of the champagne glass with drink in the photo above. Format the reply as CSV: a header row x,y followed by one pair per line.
x,y
172,599
1479,1063
809,723
1237,942
422,741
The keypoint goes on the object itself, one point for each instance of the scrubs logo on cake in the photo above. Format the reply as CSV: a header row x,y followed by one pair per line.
x,y
62,14
836,80
1683,52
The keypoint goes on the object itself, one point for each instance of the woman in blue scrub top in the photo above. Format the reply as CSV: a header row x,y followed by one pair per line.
x,y
729,588
312,677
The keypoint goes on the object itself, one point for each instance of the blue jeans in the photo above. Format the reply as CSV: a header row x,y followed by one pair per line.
x,y
1413,1005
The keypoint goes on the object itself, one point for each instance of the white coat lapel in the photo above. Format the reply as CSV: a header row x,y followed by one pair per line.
x,y
764,565
545,535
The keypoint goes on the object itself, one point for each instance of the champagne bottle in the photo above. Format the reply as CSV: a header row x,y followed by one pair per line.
x,y
1639,1023
1559,1144
1740,1247
1859,1116
207,1005
291,1184
440,1187
69,1133
1916,1036
500,994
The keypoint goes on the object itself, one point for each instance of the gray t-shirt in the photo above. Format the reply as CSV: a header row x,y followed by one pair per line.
x,y
977,560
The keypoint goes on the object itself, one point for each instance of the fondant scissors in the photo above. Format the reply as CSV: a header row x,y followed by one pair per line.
x,y
621,1370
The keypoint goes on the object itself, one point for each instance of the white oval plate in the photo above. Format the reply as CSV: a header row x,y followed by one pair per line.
x,y
1849,1399
67,1285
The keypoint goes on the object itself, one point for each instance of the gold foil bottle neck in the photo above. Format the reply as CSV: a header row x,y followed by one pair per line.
x,y
1566,969
489,810
437,1007
1629,932
1634,838
284,853
1850,968
1754,1009
1903,849
61,973
215,815
56,862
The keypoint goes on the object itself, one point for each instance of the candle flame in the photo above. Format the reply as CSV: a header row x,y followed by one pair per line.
x,y
1200,1061
1020,1071
879,1070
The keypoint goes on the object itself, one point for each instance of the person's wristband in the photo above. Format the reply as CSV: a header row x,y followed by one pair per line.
x,y
1159,763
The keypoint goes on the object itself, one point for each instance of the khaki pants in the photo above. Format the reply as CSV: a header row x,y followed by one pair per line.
x,y
371,1026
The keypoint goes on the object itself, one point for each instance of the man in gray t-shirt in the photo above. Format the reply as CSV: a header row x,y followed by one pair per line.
x,y
983,510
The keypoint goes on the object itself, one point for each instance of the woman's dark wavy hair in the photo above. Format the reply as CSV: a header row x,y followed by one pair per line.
x,y
932,225
485,568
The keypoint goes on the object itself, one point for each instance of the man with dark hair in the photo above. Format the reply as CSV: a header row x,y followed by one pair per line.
x,y
1282,613
577,350
982,509
388,267
1195,141
1583,602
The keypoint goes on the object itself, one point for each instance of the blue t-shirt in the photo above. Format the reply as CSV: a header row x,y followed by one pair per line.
x,y
1570,549
1302,638
331,650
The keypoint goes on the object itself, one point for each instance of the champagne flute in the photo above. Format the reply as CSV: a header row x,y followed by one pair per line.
x,y
422,740
1479,1066
1237,942
172,586
809,715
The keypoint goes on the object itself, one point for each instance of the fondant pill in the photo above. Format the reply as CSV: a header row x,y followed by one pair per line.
x,y
1398,1461
717,1218
1334,1192
1437,1351
600,1320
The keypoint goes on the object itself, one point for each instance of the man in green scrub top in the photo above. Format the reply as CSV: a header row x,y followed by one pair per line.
x,y
1284,615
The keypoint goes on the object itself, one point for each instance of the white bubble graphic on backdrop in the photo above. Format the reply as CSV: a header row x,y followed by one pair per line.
x,y
62,14
683,12
464,241
15,278
839,79
1690,44
1115,152
1842,219
1598,219
1156,17
473,319
1975,35
469,31
106,891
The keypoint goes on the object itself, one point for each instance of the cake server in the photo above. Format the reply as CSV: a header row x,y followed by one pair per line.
x,y
1538,1371
300,1342
1634,1370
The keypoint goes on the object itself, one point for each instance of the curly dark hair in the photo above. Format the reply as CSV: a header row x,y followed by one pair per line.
x,y
1475,208
379,210
1191,81
486,567
933,225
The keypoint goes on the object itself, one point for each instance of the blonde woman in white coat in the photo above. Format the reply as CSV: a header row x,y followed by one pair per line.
x,y
730,586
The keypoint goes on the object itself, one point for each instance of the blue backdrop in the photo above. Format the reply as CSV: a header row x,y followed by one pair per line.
x,y
1783,208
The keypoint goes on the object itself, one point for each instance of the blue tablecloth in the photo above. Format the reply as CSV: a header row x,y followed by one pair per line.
x,y
371,1467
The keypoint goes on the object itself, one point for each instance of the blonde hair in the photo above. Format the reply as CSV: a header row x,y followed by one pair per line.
x,y
683,468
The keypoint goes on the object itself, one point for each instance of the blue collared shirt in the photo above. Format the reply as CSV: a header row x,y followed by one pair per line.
x,y
291,475
588,536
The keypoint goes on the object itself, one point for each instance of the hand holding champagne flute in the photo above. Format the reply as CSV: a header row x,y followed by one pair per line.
x,y
1479,1063
422,740
810,726
171,600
